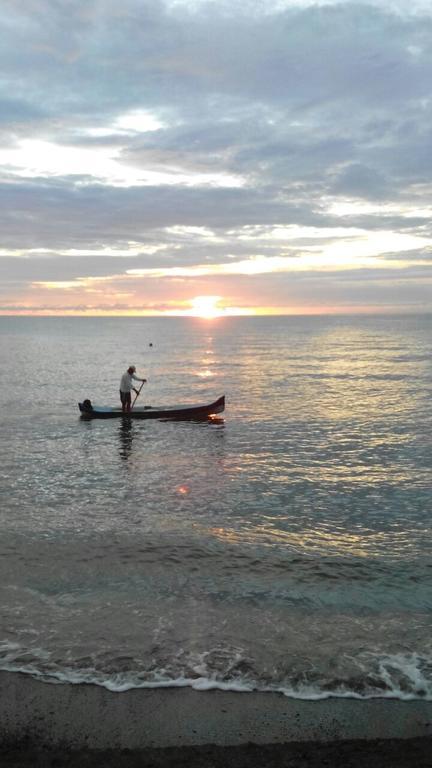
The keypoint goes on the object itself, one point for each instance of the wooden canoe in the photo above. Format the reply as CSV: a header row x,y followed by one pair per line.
x,y
179,412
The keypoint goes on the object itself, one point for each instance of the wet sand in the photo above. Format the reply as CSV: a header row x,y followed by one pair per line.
x,y
66,725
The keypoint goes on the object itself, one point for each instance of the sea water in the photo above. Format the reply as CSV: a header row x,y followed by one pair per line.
x,y
285,546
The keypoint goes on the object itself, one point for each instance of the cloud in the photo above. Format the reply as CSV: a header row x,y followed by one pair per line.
x,y
166,136
357,180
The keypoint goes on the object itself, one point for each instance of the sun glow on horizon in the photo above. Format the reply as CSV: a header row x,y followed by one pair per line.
x,y
206,306
209,308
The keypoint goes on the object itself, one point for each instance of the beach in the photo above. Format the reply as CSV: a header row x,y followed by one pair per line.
x,y
64,722
346,754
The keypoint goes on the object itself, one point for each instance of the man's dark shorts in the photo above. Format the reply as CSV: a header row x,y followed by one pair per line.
x,y
125,398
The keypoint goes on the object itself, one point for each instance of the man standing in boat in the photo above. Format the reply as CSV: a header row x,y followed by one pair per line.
x,y
126,386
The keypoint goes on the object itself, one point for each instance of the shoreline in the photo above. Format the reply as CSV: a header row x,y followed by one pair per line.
x,y
78,716
65,725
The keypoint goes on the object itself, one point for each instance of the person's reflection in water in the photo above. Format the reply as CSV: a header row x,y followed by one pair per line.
x,y
126,437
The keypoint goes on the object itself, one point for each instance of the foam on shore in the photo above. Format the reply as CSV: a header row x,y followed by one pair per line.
x,y
89,716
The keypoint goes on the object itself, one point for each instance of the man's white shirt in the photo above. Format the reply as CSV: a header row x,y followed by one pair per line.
x,y
126,381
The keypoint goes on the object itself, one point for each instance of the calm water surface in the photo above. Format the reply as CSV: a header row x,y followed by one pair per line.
x,y
286,547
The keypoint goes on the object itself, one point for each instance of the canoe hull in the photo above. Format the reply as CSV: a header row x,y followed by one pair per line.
x,y
179,413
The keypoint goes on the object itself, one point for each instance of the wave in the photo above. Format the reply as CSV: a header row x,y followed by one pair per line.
x,y
402,676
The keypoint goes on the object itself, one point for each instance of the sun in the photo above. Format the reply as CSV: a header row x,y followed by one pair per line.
x,y
206,306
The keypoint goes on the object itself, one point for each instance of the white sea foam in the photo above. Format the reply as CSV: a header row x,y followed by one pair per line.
x,y
406,677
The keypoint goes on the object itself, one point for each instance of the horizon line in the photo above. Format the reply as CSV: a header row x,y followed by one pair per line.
x,y
171,316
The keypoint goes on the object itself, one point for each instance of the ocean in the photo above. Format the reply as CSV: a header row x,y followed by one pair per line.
x,y
285,546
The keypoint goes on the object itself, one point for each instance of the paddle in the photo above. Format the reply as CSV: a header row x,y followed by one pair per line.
x,y
137,394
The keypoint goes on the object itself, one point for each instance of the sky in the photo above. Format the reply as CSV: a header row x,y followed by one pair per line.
x,y
195,157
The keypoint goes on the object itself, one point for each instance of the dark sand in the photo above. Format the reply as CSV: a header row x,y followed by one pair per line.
x,y
84,725
410,753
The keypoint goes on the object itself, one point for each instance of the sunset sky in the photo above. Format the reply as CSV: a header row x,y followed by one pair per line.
x,y
187,156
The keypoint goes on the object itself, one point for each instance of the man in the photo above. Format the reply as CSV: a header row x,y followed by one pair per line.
x,y
126,386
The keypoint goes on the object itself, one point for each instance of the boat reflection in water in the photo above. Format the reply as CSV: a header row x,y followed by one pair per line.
x,y
216,421
126,438
127,431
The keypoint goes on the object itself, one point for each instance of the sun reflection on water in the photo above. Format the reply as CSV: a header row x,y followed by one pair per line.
x,y
314,541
